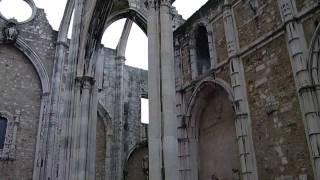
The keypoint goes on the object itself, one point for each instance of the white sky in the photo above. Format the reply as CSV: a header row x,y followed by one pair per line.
x,y
137,47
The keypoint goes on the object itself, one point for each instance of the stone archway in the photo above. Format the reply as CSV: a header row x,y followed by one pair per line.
x,y
217,146
312,97
136,167
211,149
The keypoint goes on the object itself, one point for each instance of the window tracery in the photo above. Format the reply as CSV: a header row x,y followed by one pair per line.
x,y
8,132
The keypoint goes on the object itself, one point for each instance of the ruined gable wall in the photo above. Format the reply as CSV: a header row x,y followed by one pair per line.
x,y
21,91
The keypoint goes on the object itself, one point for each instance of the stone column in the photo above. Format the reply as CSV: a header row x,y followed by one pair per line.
x,y
168,98
155,124
243,122
307,96
118,120
163,145
40,155
79,106
118,139
48,147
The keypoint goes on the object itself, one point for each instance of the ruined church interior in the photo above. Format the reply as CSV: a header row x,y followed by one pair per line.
x,y
233,92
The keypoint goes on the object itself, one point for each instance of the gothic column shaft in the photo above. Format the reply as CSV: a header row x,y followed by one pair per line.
x,y
118,119
155,125
168,98
243,123
307,96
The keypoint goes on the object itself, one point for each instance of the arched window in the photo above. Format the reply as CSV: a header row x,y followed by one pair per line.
x,y
3,129
202,50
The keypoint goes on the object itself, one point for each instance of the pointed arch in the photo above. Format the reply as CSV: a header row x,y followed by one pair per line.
x,y
314,57
134,15
34,58
205,82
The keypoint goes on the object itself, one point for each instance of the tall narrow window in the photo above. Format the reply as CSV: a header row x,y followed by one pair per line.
x,y
203,54
145,111
3,129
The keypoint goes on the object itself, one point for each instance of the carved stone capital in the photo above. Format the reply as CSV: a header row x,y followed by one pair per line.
x,y
165,3
286,9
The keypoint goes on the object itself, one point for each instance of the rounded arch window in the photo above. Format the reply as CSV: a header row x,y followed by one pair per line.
x,y
3,129
202,50
16,9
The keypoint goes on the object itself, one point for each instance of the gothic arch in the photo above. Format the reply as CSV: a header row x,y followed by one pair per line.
x,y
33,57
107,122
105,115
314,56
141,146
35,60
202,84
43,76
189,132
136,16
193,50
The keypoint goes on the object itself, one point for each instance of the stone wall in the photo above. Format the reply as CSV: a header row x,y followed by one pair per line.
x,y
278,132
101,149
20,90
135,81
135,87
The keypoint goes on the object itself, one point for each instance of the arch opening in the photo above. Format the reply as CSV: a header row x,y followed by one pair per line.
x,y
137,48
136,166
212,136
202,50
136,51
112,34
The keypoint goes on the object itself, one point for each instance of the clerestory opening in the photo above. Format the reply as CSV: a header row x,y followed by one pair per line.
x,y
144,111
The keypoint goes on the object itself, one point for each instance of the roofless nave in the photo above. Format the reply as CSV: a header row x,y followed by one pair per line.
x,y
233,93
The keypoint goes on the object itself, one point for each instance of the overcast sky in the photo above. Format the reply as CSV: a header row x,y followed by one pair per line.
x,y
137,48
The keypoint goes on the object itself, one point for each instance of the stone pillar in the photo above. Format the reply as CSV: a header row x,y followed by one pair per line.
x,y
243,122
168,99
118,120
118,124
79,107
307,96
155,116
163,145
48,147
40,155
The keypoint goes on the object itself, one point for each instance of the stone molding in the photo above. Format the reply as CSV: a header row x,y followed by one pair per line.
x,y
304,76
34,12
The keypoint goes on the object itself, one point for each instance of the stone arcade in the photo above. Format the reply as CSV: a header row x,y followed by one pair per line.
x,y
233,91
